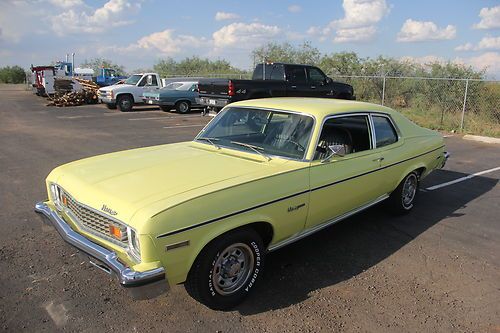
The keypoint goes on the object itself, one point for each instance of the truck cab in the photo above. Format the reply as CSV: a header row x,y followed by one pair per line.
x,y
129,93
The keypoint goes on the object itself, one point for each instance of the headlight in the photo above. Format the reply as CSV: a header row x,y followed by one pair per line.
x,y
133,243
55,193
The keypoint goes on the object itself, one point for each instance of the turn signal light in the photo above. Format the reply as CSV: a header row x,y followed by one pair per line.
x,y
115,232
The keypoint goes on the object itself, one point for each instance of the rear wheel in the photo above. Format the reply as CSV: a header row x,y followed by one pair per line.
x,y
402,199
111,106
125,103
182,106
227,269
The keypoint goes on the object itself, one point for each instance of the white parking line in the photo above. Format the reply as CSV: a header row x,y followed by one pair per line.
x,y
435,187
156,118
203,125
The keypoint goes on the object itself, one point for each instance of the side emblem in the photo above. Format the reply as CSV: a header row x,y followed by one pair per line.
x,y
293,208
108,210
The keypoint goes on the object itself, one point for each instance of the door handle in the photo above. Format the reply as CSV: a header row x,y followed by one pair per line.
x,y
313,87
380,159
293,87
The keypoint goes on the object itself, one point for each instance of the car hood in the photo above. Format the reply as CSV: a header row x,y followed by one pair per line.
x,y
130,180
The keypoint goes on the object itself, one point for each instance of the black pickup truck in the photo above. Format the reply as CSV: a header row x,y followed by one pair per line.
x,y
272,80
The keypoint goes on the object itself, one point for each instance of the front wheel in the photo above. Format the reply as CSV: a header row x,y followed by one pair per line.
x,y
227,269
125,103
402,199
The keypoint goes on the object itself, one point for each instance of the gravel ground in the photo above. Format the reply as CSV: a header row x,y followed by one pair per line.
x,y
434,270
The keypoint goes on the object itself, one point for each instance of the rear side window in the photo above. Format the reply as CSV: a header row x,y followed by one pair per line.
x,y
296,74
384,131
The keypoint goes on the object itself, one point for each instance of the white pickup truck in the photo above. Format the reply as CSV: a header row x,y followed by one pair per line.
x,y
129,93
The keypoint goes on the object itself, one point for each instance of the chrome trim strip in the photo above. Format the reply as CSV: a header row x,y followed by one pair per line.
x,y
319,227
126,276
292,195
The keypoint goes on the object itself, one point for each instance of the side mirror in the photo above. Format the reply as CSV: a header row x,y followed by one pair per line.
x,y
149,80
328,80
335,150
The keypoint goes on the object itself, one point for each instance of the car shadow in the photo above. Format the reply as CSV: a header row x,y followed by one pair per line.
x,y
352,246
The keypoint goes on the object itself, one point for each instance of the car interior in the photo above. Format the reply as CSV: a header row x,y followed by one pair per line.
x,y
350,131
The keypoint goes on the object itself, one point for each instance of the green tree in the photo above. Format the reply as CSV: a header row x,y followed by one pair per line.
x,y
14,74
286,52
194,66
97,63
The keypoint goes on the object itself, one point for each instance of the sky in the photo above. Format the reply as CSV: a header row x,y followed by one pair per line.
x,y
137,34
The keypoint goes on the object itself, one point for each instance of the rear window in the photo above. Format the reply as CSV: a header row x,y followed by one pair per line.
x,y
272,72
384,131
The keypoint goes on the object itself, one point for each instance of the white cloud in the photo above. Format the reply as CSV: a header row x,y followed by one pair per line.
x,y
490,61
67,3
420,31
355,34
294,8
358,24
487,43
244,35
222,16
164,42
490,18
112,14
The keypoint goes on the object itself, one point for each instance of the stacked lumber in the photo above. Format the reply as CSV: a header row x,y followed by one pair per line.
x,y
87,94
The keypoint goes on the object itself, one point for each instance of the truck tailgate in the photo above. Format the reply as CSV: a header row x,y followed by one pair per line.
x,y
213,87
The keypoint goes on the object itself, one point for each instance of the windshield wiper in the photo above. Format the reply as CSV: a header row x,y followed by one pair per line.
x,y
210,140
256,149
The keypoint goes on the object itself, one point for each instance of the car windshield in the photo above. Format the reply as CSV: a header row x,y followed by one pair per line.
x,y
133,79
277,133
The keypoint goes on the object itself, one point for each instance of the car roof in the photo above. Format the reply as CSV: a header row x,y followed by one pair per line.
x,y
318,107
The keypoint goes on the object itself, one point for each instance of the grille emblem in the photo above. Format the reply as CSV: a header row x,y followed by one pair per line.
x,y
108,210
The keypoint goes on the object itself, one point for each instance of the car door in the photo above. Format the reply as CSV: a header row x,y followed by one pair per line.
x,y
147,82
317,82
296,81
341,185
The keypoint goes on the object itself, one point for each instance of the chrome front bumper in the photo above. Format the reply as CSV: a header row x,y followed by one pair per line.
x,y
446,156
142,285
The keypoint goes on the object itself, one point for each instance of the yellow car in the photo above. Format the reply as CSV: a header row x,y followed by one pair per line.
x,y
262,174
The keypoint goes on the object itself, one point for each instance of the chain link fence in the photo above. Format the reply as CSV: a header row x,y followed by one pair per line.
x,y
461,105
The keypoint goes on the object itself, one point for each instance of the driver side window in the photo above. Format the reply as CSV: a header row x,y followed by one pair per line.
x,y
350,131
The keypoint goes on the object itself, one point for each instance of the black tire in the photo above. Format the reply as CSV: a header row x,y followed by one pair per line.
x,y
183,106
402,199
165,108
125,103
111,106
210,280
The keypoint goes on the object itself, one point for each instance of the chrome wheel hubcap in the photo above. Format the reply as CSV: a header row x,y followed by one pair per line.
x,y
409,190
233,268
183,107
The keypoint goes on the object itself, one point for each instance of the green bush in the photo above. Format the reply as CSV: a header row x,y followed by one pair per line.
x,y
14,74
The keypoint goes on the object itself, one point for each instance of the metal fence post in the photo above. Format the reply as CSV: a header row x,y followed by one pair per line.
x,y
463,107
383,91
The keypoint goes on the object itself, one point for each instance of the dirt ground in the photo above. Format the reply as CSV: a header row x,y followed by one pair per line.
x,y
434,270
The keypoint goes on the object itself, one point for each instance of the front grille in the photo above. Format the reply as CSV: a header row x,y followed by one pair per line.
x,y
94,222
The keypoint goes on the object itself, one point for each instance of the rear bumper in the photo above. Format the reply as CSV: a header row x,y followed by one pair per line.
x,y
142,285
212,102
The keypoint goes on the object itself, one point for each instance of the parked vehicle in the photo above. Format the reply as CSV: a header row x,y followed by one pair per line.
x,y
43,80
272,80
129,93
108,77
179,95
280,170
